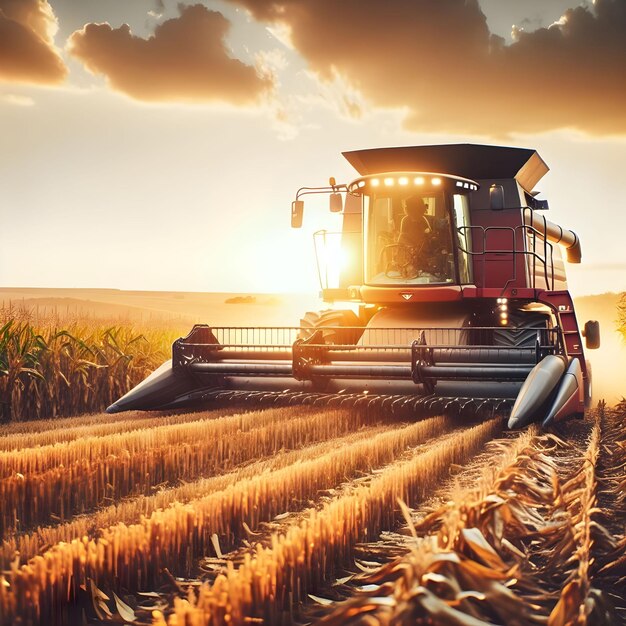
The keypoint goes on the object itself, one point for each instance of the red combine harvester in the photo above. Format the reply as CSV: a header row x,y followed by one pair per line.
x,y
455,300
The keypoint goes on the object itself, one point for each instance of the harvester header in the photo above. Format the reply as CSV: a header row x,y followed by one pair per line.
x,y
453,298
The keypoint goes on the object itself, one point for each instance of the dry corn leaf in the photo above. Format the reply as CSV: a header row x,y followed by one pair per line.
x,y
442,586
442,613
566,608
322,601
507,545
431,519
215,541
250,532
98,600
474,570
367,566
408,518
126,613
476,541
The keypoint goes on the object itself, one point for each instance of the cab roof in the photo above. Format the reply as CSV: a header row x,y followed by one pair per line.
x,y
473,161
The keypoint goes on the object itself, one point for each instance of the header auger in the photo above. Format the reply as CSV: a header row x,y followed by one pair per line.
x,y
454,299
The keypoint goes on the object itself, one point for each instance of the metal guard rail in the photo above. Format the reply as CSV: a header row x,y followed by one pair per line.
x,y
422,361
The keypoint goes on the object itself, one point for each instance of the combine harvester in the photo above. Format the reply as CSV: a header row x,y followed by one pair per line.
x,y
455,300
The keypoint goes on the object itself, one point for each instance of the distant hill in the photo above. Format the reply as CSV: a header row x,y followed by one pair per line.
x,y
164,306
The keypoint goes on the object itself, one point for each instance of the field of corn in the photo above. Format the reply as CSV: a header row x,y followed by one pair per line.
x,y
57,366
289,515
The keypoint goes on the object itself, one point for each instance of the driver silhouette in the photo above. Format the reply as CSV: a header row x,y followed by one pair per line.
x,y
415,225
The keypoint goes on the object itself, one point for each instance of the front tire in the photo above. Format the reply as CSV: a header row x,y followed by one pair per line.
x,y
521,331
339,327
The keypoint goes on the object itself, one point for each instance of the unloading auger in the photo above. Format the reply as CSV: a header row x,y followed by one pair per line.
x,y
454,299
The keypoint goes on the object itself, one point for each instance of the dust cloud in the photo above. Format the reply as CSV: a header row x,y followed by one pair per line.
x,y
608,363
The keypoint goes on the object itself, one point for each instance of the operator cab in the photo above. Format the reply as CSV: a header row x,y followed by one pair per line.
x,y
416,228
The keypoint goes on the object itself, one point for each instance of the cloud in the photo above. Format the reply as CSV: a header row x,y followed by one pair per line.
x,y
17,100
27,51
530,23
438,60
186,60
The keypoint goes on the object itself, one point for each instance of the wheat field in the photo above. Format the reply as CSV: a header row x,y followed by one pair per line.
x,y
305,515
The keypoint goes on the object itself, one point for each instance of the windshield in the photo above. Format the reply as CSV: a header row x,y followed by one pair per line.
x,y
408,239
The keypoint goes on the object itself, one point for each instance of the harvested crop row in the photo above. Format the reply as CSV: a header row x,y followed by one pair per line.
x,y
130,511
610,562
578,599
60,434
278,577
64,491
56,423
205,426
496,554
451,576
459,570
475,482
133,556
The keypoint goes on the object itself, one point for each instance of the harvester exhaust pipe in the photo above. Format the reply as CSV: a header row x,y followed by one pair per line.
x,y
558,235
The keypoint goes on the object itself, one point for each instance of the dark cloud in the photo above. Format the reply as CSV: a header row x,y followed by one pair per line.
x,y
437,59
27,52
531,23
185,60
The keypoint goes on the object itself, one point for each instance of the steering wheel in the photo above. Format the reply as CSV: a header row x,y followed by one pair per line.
x,y
403,259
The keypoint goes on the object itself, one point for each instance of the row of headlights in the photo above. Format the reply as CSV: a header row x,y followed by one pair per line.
x,y
405,181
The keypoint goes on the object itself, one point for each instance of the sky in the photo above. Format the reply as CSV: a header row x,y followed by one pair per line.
x,y
157,145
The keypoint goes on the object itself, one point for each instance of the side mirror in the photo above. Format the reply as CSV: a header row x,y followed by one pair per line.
x,y
297,210
336,203
496,197
591,333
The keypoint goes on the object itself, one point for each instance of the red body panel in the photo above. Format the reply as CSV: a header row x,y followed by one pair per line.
x,y
413,295
498,245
